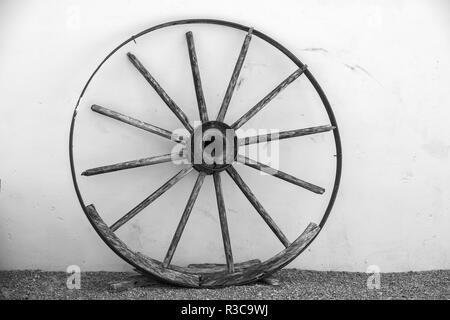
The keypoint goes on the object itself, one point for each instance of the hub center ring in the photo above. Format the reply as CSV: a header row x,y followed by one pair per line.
x,y
212,147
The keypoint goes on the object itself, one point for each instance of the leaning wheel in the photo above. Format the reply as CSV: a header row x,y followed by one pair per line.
x,y
208,149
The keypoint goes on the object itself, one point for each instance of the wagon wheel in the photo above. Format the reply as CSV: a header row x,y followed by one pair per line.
x,y
204,163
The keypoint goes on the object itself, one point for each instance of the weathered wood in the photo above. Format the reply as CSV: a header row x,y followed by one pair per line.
x,y
155,195
279,174
134,281
184,218
147,265
160,91
270,280
134,163
257,205
234,76
284,135
223,222
204,268
196,76
137,123
206,275
201,268
265,268
261,104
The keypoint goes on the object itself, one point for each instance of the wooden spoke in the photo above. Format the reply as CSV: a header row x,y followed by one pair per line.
x,y
261,104
160,91
235,76
223,222
184,219
284,135
155,195
196,76
134,164
262,212
279,174
137,123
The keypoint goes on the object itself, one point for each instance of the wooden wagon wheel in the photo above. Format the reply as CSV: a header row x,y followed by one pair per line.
x,y
231,273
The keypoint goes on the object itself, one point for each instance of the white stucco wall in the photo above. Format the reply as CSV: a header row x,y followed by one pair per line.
x,y
384,66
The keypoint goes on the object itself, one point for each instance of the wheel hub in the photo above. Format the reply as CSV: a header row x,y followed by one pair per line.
x,y
213,147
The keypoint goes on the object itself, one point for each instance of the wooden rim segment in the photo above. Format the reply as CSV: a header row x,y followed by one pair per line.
x,y
147,265
202,275
229,273
265,268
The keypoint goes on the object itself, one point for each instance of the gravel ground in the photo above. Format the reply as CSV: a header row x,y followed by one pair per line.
x,y
294,284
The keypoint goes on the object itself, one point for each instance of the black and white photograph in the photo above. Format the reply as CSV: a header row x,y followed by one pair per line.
x,y
224,155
